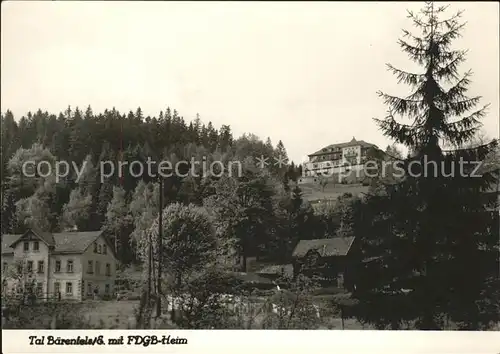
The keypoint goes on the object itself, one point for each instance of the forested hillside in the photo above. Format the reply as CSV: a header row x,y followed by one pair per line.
x,y
126,205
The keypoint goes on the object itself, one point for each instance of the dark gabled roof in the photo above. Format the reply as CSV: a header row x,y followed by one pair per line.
x,y
75,242
277,269
64,242
44,236
353,142
7,241
326,247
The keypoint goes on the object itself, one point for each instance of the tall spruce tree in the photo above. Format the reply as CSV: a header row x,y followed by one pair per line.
x,y
430,241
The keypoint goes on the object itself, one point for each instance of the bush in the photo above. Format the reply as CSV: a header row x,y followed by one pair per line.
x,y
331,290
295,307
61,315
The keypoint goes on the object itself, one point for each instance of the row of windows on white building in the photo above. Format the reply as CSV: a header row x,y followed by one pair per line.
x,y
57,268
98,248
68,287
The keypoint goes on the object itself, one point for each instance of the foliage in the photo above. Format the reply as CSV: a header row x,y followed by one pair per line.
x,y
423,235
77,211
188,240
242,211
200,300
118,221
143,209
87,139
294,307
48,315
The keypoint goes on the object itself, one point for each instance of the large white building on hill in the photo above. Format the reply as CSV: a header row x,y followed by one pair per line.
x,y
334,159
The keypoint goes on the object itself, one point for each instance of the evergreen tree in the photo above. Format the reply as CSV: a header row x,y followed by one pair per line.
x,y
10,140
118,224
301,217
430,241
225,138
78,135
280,162
281,151
212,137
269,146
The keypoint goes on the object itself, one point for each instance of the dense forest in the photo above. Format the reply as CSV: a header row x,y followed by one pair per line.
x,y
125,206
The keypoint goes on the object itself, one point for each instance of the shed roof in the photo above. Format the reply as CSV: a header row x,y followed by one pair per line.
x,y
326,247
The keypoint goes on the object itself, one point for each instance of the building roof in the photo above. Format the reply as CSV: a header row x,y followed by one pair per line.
x,y
46,237
8,240
277,269
353,142
326,247
63,242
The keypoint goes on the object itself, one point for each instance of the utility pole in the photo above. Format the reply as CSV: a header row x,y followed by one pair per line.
x,y
159,247
150,263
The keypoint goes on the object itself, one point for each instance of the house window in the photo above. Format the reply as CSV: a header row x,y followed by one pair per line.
x,y
95,247
39,289
41,266
36,246
106,289
69,288
58,266
97,267
100,249
108,269
26,246
20,268
104,249
57,288
19,289
30,266
69,267
90,267
4,268
89,288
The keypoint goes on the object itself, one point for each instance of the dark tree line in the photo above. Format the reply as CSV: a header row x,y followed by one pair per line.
x,y
264,207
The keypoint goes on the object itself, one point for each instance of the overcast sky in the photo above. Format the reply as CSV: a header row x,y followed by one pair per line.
x,y
306,73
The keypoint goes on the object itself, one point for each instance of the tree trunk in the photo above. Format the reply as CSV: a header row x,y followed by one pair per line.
x,y
116,245
342,315
244,267
160,250
53,322
179,280
149,269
